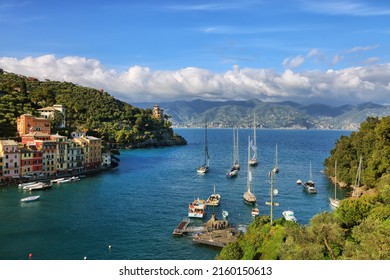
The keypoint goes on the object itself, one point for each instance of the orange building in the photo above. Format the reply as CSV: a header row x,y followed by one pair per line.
x,y
27,124
36,136
30,161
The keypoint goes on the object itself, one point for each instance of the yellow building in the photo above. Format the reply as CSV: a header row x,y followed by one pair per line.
x,y
92,147
157,112
61,153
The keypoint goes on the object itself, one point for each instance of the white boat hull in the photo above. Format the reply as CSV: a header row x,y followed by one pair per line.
x,y
289,216
249,197
334,202
255,212
196,215
232,173
203,169
30,199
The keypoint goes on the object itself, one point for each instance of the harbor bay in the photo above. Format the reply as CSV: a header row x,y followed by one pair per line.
x,y
131,211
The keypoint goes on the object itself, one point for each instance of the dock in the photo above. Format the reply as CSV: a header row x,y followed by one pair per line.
x,y
214,232
216,238
181,228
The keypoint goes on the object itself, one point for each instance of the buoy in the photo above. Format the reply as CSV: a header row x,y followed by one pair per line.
x,y
30,255
109,247
85,258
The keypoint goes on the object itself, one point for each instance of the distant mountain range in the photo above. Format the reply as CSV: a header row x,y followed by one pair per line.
x,y
288,114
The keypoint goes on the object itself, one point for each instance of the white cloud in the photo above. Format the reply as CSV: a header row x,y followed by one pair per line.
x,y
294,62
137,83
313,53
362,48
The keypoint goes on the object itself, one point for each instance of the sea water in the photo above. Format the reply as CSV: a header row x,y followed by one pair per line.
x,y
130,212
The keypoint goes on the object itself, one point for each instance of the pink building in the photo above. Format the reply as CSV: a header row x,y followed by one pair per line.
x,y
10,155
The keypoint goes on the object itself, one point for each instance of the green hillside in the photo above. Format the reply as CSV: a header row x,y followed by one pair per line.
x,y
86,108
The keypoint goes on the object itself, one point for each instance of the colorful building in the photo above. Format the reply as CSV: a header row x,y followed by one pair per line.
x,y
75,157
32,137
30,161
27,124
10,154
61,155
92,151
49,159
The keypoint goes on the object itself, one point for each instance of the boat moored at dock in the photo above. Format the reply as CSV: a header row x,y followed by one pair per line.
x,y
197,208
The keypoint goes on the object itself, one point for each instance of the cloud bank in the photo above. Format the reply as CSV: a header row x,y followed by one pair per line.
x,y
139,84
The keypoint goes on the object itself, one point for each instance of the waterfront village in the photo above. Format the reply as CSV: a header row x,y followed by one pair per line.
x,y
39,154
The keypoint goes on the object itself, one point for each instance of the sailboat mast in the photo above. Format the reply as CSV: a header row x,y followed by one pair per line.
x,y
272,197
254,137
335,179
357,181
249,179
236,146
276,156
206,150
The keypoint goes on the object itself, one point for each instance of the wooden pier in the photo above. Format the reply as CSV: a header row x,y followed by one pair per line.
x,y
180,229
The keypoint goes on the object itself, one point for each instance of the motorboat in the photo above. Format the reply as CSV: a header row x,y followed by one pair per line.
x,y
289,216
197,208
30,198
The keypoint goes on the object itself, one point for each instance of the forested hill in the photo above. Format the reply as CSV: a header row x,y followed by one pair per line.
x,y
371,143
86,108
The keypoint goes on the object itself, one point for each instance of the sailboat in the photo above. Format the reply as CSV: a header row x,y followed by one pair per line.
x,y
309,185
253,161
248,196
334,201
213,199
276,167
233,172
205,167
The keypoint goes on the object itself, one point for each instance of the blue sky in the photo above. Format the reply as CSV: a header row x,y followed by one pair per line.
x,y
307,51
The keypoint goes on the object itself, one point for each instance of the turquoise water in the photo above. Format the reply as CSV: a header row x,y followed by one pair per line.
x,y
136,207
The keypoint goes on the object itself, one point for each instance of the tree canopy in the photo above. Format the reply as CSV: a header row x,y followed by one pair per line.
x,y
86,109
371,143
